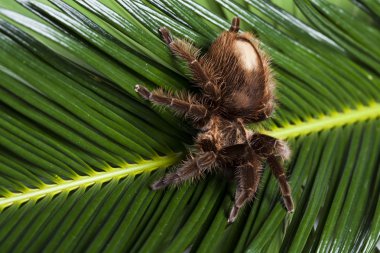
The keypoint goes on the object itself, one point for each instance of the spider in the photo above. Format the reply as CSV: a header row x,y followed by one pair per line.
x,y
237,88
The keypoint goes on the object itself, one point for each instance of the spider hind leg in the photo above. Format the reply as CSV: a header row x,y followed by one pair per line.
x,y
166,35
188,52
235,25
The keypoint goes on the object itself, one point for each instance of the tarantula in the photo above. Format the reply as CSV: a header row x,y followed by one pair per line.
x,y
237,88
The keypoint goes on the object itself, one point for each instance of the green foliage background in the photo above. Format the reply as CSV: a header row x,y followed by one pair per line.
x,y
78,148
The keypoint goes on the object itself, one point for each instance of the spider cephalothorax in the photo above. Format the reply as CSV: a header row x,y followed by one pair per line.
x,y
236,89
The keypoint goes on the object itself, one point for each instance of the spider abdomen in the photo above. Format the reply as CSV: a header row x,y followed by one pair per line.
x,y
245,79
247,55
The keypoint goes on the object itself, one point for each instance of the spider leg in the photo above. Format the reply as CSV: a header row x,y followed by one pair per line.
x,y
190,110
279,173
242,130
166,36
275,151
235,25
248,175
191,169
265,146
189,53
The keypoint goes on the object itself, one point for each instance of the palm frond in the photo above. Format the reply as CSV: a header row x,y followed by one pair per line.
x,y
79,148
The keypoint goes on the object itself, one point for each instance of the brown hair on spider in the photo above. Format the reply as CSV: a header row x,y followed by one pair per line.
x,y
237,88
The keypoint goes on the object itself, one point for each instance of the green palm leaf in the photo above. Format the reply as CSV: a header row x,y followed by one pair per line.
x,y
79,147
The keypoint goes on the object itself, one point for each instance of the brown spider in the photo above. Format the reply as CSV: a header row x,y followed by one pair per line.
x,y
237,88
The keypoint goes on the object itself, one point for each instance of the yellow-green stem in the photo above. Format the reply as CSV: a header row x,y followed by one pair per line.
x,y
303,128
312,125
128,170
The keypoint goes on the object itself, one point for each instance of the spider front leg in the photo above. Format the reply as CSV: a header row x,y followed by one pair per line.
x,y
190,54
275,151
279,173
190,110
265,146
248,176
191,169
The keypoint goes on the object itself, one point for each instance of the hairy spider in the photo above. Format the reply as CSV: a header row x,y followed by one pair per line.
x,y
236,89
